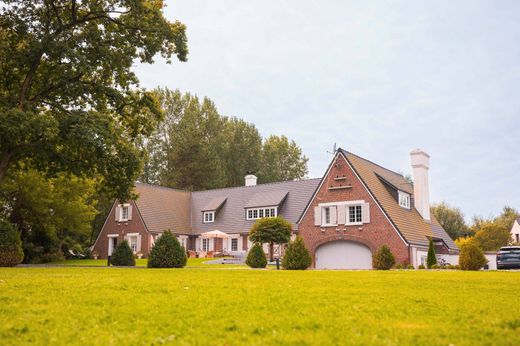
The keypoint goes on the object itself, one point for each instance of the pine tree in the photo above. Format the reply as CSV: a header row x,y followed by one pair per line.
x,y
383,259
296,257
256,257
167,252
431,259
122,255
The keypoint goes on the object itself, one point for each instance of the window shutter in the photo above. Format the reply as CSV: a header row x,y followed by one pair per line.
x,y
317,216
138,243
341,214
365,213
118,212
129,212
334,215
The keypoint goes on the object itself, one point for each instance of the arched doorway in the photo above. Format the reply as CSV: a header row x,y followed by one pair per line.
x,y
343,254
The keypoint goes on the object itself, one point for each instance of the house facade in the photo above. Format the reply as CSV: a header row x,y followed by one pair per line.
x,y
343,217
515,231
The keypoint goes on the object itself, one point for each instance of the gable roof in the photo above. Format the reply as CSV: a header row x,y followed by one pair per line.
x,y
291,196
410,223
163,208
215,203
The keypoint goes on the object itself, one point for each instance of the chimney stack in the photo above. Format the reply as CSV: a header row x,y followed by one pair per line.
x,y
421,186
251,180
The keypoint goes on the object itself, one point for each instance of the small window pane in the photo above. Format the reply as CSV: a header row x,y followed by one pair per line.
x,y
234,244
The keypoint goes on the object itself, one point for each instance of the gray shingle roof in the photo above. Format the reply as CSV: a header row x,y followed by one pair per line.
x,y
439,232
266,199
231,218
215,203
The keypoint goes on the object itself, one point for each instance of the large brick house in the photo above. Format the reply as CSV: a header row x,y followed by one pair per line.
x,y
344,217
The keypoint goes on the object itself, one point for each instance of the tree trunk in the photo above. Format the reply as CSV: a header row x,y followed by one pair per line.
x,y
4,163
271,252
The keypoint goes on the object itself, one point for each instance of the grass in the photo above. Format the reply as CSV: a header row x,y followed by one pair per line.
x,y
192,263
100,306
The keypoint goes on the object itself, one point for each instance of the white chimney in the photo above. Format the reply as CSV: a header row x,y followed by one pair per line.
x,y
421,186
251,180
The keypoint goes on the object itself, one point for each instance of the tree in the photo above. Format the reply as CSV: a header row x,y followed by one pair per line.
x,y
281,160
271,230
471,257
507,217
431,259
383,259
296,256
70,101
11,252
167,252
52,215
256,257
492,236
122,255
451,219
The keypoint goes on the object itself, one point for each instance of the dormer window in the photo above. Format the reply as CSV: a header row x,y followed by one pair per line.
x,y
258,213
208,217
404,199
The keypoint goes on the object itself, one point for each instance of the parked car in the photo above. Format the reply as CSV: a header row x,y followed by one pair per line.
x,y
508,257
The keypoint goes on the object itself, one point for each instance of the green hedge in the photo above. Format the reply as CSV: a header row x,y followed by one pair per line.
x,y
296,256
167,252
122,255
11,252
383,259
471,257
256,257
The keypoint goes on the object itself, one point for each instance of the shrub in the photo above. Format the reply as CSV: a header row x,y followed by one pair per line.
x,y
431,259
435,266
398,266
11,252
122,255
410,266
383,259
471,257
167,252
422,266
296,257
256,257
451,266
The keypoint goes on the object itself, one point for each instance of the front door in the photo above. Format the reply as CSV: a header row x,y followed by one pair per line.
x,y
112,243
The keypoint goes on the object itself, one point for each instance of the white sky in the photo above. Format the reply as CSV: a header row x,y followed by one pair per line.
x,y
379,78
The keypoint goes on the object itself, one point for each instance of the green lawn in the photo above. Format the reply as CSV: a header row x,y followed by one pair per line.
x,y
192,263
113,306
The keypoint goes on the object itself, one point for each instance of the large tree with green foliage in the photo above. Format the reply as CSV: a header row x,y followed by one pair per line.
x,y
271,230
281,160
451,219
491,236
68,99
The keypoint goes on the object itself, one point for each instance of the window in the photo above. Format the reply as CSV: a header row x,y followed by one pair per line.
x,y
258,213
205,244
326,211
517,238
132,240
355,214
234,244
404,199
208,217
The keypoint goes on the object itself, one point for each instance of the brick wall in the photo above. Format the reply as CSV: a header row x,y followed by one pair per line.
x,y
374,234
111,226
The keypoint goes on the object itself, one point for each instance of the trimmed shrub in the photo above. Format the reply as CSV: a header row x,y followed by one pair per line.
x,y
11,252
296,256
256,257
456,267
471,257
431,260
422,266
435,266
167,252
383,259
122,255
398,266
410,266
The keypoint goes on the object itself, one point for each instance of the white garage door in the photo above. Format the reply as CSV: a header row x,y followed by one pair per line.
x,y
343,255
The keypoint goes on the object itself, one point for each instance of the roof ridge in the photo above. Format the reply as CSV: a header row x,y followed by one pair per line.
x,y
252,186
162,187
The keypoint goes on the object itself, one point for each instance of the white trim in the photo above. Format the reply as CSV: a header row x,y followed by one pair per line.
x,y
207,213
263,212
407,198
361,201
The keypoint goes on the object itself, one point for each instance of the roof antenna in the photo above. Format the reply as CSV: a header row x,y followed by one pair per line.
x,y
334,148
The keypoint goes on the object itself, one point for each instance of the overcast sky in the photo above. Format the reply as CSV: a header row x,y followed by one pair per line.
x,y
379,78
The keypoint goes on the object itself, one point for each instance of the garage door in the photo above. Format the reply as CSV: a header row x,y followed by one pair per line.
x,y
343,255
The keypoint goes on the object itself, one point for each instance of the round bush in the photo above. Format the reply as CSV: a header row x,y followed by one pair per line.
x,y
422,266
122,255
471,257
167,252
296,256
435,266
410,266
256,257
383,259
11,252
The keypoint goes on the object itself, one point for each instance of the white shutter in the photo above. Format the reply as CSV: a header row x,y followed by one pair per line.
x,y
129,212
365,213
342,214
138,243
317,216
333,215
118,212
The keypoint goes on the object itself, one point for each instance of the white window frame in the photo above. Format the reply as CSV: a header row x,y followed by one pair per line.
x,y
358,207
111,243
205,246
135,236
208,217
258,213
234,240
404,199
327,211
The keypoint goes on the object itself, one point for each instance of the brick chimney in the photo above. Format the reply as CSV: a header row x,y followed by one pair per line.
x,y
421,186
251,180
